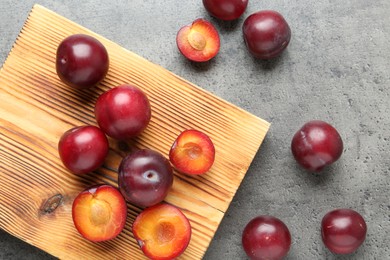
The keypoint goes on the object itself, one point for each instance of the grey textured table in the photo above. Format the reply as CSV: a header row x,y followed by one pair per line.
x,y
336,68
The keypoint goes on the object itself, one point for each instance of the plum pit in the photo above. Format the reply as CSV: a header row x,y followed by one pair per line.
x,y
196,40
100,212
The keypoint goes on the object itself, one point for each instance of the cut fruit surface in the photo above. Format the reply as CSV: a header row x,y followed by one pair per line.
x,y
99,213
198,41
193,152
162,231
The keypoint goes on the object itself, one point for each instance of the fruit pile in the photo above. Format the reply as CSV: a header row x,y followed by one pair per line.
x,y
145,176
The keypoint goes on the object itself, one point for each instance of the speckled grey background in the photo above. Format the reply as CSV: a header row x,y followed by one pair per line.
x,y
336,68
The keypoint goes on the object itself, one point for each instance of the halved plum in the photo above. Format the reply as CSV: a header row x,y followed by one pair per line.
x,y
99,213
193,152
162,231
198,41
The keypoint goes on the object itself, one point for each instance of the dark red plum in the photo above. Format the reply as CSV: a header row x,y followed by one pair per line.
x,y
266,238
266,34
316,145
343,231
145,177
83,149
81,61
123,112
225,9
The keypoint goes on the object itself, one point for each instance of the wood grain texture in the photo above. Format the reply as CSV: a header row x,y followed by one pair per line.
x,y
36,108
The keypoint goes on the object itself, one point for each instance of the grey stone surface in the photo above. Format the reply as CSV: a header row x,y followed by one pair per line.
x,y
336,68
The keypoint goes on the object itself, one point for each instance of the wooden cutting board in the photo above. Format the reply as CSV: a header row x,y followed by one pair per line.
x,y
36,191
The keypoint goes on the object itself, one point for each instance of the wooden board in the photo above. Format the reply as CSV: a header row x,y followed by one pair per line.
x,y
36,108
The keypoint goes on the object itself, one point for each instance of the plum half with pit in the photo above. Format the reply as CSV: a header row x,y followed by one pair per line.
x,y
145,177
316,144
81,61
266,34
162,231
123,112
198,41
83,149
99,213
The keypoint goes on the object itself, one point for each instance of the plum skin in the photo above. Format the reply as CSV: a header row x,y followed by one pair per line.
x,y
226,9
266,238
123,112
81,61
145,177
83,149
316,144
343,231
266,34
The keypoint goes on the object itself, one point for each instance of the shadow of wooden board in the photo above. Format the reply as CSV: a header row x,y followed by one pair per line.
x,y
36,191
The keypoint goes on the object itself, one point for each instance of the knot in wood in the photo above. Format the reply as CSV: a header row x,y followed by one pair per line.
x,y
51,204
